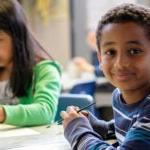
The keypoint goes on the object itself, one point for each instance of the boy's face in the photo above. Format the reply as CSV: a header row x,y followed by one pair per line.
x,y
125,55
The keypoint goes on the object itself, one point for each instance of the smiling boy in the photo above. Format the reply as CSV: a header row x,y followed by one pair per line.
x,y
123,40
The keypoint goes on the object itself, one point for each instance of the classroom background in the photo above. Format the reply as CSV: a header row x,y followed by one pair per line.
x,y
65,28
62,27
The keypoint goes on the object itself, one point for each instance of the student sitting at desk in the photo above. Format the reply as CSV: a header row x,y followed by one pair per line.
x,y
29,77
123,40
83,65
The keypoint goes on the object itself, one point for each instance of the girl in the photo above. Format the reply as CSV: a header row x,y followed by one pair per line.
x,y
123,40
29,82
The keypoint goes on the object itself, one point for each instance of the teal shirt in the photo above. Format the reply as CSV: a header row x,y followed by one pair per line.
x,y
40,105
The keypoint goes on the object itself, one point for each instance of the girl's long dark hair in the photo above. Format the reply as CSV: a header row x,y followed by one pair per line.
x,y
25,46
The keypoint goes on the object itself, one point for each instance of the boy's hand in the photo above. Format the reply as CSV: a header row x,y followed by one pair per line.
x,y
70,114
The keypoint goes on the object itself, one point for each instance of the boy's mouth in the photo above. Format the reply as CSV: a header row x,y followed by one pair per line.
x,y
124,76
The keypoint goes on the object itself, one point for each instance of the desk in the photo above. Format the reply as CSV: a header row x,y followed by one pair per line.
x,y
34,138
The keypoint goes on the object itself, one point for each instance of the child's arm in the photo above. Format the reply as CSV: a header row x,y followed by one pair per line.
x,y
42,107
104,128
99,126
81,135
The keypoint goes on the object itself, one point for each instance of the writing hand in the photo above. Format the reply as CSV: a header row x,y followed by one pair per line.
x,y
70,114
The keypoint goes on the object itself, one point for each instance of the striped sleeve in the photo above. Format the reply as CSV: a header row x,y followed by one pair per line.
x,y
81,137
139,134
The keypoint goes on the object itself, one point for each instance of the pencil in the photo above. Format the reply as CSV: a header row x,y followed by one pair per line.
x,y
83,108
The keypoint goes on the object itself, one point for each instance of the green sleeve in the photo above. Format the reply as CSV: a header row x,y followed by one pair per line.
x,y
40,106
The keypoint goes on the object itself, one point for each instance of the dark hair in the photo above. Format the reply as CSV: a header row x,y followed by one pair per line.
x,y
25,46
123,13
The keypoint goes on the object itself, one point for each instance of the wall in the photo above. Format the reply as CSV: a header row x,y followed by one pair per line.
x,y
54,34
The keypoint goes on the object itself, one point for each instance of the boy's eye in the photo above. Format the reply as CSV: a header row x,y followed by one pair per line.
x,y
110,52
134,51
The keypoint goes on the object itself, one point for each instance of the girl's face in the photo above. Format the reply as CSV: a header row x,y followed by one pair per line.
x,y
5,50
125,56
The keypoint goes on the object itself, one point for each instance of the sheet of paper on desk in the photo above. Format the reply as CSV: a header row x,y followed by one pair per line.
x,y
55,143
45,147
40,138
10,131
5,127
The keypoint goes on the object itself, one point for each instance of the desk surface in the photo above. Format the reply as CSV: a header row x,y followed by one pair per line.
x,y
34,138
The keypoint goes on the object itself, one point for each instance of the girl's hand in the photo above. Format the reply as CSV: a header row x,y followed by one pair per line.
x,y
2,115
70,114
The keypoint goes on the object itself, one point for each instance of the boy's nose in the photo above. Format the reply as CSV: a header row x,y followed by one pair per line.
x,y
121,62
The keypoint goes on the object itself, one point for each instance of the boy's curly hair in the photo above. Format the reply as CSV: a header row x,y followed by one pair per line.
x,y
123,13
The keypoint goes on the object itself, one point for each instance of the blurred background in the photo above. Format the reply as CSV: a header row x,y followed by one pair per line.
x,y
66,29
62,25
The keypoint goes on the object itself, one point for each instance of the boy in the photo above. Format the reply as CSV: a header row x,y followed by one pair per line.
x,y
123,40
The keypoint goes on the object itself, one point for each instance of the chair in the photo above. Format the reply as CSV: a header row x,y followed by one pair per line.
x,y
80,100
84,88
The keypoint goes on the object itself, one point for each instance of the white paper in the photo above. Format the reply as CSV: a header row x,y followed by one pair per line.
x,y
45,138
45,147
10,131
5,127
55,143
